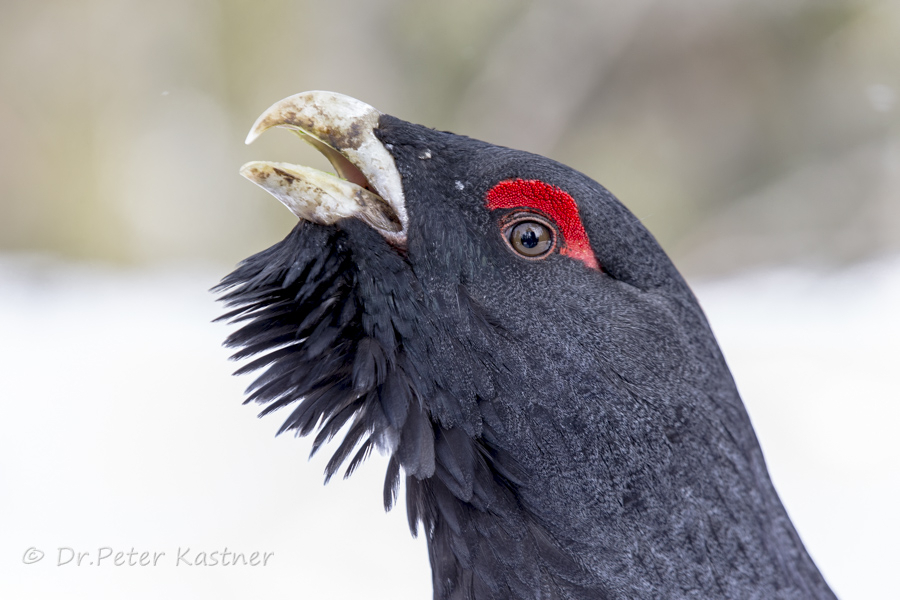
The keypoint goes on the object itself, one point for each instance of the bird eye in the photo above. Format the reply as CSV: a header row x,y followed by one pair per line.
x,y
530,238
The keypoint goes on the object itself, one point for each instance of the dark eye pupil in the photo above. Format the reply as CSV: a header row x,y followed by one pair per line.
x,y
530,239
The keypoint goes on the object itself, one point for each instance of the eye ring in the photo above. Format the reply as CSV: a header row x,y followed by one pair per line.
x,y
529,235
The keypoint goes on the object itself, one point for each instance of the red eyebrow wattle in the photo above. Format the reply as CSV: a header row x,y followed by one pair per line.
x,y
553,202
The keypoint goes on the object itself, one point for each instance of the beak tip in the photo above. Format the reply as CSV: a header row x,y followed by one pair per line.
x,y
248,171
262,123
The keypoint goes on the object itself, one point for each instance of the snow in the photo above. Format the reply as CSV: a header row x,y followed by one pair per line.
x,y
122,430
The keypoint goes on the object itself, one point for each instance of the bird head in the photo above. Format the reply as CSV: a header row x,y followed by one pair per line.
x,y
525,352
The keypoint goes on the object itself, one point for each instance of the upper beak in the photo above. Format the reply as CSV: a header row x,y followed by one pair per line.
x,y
367,186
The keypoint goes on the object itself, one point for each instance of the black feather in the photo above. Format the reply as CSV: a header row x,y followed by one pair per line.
x,y
353,437
391,483
359,457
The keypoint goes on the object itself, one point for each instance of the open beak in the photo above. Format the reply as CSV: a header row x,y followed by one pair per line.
x,y
367,185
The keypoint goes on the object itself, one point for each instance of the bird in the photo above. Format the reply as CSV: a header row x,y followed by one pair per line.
x,y
543,380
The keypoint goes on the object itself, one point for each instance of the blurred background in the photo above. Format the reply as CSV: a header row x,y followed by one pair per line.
x,y
742,132
758,140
